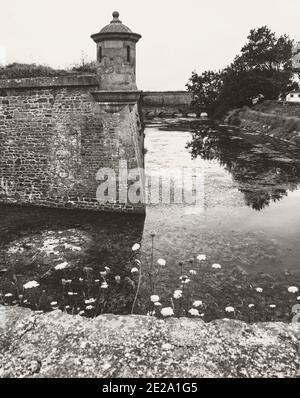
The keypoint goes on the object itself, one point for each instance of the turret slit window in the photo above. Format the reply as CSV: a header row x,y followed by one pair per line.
x,y
100,54
128,53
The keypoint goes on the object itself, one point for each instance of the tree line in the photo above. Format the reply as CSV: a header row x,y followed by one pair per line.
x,y
262,70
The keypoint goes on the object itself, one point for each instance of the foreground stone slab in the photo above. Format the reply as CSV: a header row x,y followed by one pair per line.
x,y
61,345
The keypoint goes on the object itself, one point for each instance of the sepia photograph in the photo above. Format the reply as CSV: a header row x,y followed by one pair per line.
x,y
149,193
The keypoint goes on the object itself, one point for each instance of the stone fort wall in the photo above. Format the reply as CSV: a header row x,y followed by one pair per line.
x,y
54,137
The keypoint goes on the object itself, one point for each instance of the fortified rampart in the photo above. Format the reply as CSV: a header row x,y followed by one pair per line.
x,y
57,133
54,137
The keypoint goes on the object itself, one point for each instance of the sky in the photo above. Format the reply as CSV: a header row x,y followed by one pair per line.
x,y
178,37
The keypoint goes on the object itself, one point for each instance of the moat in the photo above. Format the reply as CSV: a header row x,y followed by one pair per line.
x,y
248,228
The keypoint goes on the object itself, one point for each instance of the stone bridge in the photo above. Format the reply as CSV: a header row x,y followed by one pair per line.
x,y
166,103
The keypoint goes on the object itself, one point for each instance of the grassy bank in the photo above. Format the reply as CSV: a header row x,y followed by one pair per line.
x,y
271,117
21,71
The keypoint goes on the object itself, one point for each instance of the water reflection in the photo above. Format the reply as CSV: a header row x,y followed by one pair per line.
x,y
228,231
264,168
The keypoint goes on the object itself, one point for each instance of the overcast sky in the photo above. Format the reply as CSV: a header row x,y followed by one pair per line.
x,y
178,36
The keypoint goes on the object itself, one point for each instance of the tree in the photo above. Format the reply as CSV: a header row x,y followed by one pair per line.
x,y
205,88
264,51
262,69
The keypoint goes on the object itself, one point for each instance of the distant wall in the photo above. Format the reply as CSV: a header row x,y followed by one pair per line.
x,y
54,136
166,103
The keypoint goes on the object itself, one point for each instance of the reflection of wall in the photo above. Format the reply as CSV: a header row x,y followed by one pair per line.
x,y
54,138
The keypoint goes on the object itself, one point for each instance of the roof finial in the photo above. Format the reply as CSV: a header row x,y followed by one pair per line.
x,y
116,17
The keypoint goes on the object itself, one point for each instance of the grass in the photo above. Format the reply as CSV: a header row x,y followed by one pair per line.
x,y
21,70
280,125
86,292
292,124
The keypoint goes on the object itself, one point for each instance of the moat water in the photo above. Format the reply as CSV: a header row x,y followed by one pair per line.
x,y
251,213
249,220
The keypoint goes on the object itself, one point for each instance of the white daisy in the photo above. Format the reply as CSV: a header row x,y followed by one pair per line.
x,y
167,311
197,303
61,266
229,309
201,257
90,301
293,289
31,285
194,312
177,294
154,298
135,247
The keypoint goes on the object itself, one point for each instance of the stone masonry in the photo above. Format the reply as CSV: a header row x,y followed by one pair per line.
x,y
54,137
167,103
60,345
56,133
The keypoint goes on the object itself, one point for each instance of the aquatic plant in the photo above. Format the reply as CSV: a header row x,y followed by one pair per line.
x,y
200,288
135,248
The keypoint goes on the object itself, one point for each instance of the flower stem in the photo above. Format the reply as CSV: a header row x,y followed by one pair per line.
x,y
137,290
151,266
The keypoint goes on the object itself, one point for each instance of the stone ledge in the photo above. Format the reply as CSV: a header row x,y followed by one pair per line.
x,y
46,82
174,92
61,345
116,97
